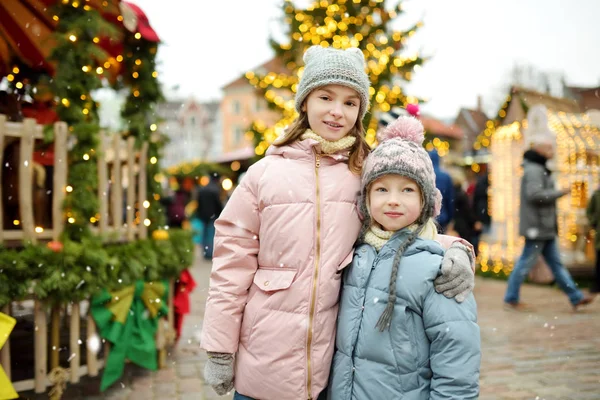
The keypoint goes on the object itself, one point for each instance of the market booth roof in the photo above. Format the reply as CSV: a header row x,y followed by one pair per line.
x,y
26,28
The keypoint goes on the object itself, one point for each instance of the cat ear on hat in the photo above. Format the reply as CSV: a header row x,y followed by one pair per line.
x,y
357,54
313,51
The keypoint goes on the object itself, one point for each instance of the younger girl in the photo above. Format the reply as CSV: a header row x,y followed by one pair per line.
x,y
397,338
285,236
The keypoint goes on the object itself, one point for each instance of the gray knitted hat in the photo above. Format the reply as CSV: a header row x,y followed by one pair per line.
x,y
400,151
329,66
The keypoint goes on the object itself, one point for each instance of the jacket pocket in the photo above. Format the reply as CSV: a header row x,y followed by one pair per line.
x,y
272,280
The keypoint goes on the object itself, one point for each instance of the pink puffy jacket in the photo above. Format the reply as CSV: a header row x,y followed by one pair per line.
x,y
280,245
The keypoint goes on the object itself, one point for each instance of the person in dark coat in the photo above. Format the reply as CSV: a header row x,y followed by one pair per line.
x,y
208,210
483,219
443,182
464,216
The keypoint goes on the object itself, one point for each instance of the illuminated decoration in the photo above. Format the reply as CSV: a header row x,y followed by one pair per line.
x,y
576,166
365,24
227,184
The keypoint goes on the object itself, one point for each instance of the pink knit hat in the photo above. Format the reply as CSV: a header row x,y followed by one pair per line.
x,y
400,151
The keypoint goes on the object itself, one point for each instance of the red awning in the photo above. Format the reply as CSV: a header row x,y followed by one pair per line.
x,y
135,20
26,28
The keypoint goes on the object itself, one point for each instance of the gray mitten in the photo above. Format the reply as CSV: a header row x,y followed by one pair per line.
x,y
457,279
218,372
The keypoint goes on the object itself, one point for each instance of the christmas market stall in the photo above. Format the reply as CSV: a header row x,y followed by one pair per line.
x,y
88,268
575,165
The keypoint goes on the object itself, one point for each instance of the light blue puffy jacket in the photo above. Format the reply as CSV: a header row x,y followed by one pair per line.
x,y
432,349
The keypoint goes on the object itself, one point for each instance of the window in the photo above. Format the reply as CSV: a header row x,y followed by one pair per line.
x,y
235,107
238,134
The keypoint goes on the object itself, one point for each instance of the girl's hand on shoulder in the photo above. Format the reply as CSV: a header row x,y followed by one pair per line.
x,y
458,279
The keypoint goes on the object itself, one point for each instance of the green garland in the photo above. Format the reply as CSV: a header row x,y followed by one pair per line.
x,y
82,269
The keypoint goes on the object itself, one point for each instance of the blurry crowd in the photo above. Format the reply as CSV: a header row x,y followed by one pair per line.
x,y
465,211
197,208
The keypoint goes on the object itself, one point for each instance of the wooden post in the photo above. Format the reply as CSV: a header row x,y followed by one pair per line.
x,y
92,356
54,337
5,351
61,132
26,180
102,184
41,344
2,129
130,189
160,344
117,187
143,190
74,343
106,351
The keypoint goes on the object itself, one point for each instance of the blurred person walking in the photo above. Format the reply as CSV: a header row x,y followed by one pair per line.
x,y
538,224
209,208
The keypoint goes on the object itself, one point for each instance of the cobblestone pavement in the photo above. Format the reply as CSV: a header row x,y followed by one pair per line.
x,y
550,353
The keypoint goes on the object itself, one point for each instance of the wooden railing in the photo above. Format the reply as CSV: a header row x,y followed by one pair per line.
x,y
121,162
117,159
27,132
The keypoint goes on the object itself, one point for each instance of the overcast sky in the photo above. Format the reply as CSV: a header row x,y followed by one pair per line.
x,y
474,44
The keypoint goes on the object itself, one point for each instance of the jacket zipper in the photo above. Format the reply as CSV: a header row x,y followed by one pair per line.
x,y
313,298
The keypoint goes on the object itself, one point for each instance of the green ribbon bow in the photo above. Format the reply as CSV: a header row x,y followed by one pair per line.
x,y
128,319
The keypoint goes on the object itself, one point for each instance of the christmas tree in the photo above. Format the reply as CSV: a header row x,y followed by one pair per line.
x,y
365,24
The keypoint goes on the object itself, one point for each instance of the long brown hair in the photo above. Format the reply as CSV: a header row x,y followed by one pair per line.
x,y
358,152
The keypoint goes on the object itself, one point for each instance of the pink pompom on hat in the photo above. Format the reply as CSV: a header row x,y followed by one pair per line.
x,y
400,151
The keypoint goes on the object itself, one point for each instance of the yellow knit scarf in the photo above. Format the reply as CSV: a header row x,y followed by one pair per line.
x,y
377,237
328,147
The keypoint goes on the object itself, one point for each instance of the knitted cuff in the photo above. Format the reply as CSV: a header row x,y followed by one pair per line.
x,y
219,358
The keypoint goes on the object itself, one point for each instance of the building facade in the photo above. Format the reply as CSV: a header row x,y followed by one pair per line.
x,y
241,105
194,131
